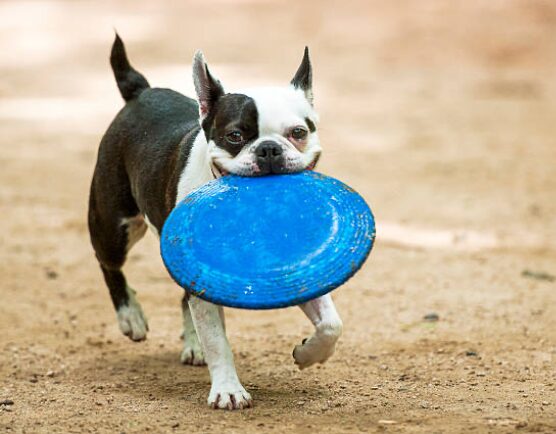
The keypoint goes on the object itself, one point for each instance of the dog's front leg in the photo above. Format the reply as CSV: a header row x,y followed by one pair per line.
x,y
328,328
226,391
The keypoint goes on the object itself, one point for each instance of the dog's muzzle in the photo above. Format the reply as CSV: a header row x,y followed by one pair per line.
x,y
270,157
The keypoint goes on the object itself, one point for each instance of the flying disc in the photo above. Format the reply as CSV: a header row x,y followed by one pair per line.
x,y
267,242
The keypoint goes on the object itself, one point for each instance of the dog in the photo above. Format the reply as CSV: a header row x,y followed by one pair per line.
x,y
161,146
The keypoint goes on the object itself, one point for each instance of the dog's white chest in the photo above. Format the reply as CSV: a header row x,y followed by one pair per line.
x,y
197,170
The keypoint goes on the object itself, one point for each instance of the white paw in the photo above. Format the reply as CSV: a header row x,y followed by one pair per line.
x,y
132,321
313,350
229,395
192,354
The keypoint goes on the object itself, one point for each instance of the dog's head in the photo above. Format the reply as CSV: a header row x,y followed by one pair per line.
x,y
258,131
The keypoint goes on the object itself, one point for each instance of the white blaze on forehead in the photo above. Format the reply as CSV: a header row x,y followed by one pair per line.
x,y
280,108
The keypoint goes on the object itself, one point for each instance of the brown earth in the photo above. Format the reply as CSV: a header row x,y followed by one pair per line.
x,y
442,114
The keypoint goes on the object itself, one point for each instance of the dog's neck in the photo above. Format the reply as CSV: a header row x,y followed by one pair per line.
x,y
197,170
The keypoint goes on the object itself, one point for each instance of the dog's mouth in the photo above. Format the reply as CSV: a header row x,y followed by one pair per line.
x,y
313,163
218,172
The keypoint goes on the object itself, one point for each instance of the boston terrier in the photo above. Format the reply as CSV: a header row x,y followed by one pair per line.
x,y
162,145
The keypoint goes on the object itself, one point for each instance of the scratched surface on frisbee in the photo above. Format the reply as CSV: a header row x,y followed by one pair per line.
x,y
268,242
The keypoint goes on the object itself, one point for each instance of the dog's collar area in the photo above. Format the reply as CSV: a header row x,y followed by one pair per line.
x,y
217,172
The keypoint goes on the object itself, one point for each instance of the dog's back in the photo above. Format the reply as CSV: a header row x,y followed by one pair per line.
x,y
149,129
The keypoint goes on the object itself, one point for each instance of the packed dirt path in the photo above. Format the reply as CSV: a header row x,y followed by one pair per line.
x,y
441,114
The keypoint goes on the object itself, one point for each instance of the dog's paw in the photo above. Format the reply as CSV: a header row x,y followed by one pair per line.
x,y
313,350
132,321
229,396
192,354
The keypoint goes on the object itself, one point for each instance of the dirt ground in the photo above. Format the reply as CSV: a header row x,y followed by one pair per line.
x,y
441,114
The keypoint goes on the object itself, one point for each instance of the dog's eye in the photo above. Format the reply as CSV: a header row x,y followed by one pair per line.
x,y
234,138
299,133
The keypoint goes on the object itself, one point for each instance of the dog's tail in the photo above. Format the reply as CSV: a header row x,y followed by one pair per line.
x,y
130,82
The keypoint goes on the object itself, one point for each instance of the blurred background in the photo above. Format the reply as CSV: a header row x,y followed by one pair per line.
x,y
441,114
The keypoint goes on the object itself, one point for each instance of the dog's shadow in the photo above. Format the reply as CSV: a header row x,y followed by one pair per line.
x,y
161,377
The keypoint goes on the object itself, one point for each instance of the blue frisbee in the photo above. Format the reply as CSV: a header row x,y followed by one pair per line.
x,y
267,242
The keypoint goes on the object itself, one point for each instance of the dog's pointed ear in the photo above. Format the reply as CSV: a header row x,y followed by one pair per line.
x,y
303,78
207,87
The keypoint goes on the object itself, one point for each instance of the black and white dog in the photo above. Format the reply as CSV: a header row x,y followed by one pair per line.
x,y
161,146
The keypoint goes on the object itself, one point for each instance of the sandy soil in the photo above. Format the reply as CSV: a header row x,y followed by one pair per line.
x,y
442,114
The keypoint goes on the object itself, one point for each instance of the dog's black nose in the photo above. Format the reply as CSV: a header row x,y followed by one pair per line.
x,y
270,157
268,150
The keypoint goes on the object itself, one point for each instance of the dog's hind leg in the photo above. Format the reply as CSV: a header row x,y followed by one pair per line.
x,y
192,354
328,328
115,224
